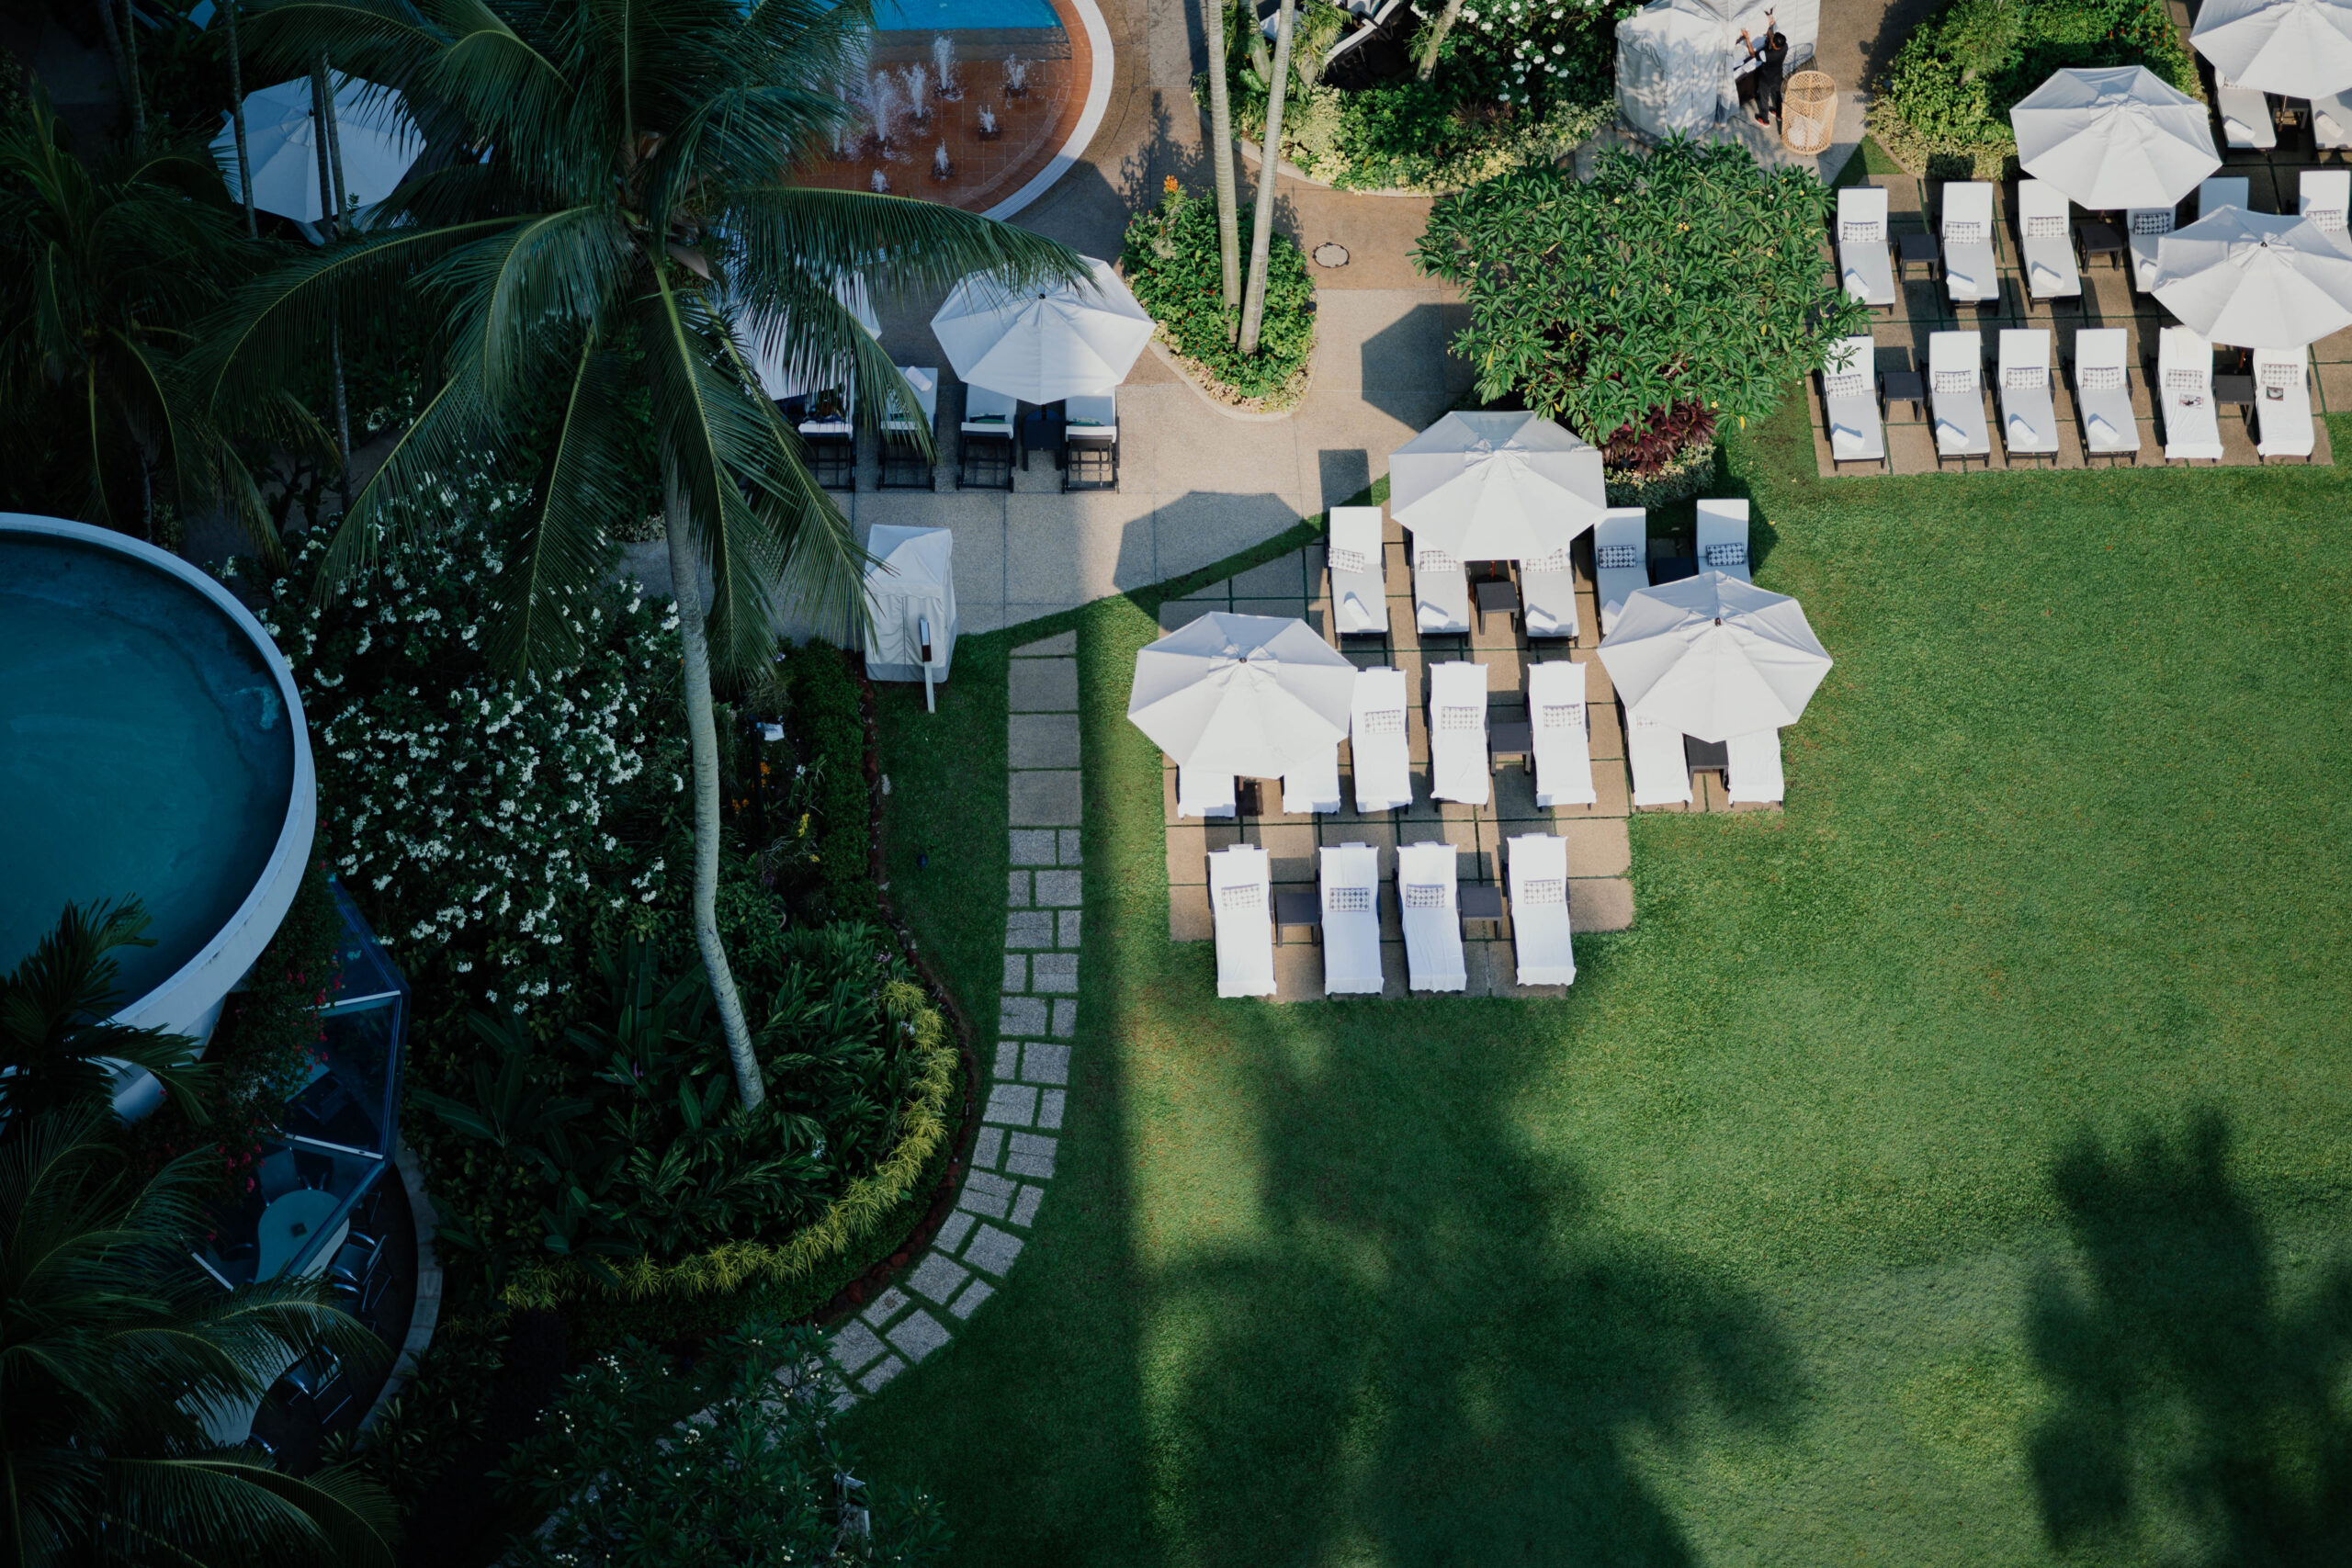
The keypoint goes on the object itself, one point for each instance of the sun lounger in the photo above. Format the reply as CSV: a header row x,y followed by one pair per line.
x,y
2103,392
2147,225
2223,190
1972,274
2282,404
1359,573
2325,197
1314,788
1849,403
1379,756
2331,123
1661,772
1547,596
1241,895
2028,420
1350,878
1425,875
2045,243
1562,721
1090,442
1722,537
1440,594
1538,911
1459,770
1956,395
2184,393
1621,549
989,414
2245,115
1753,767
1200,794
1862,255
923,379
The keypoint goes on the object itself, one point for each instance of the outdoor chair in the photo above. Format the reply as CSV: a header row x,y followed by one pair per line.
x,y
1620,544
985,438
1849,403
1241,896
1351,890
2282,404
2028,419
1862,257
2325,196
2103,394
831,434
1538,911
1440,594
1752,767
1359,573
1654,752
1547,596
1425,875
1722,537
1090,442
2185,389
2225,190
904,467
1378,754
2244,113
280,1175
1972,273
2147,225
314,1373
2331,123
1200,794
2045,244
1956,395
1562,722
1459,770
1315,787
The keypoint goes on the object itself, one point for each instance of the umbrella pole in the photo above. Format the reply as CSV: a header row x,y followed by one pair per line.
x,y
929,702
322,113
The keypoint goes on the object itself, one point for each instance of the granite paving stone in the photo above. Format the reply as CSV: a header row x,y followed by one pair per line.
x,y
1016,895
1030,928
1045,1064
856,1345
1069,837
1067,934
1043,797
1007,1059
1021,1015
1060,889
1012,1103
987,1145
1049,1110
1025,1207
1016,972
1042,685
1029,1156
977,1292
919,1334
872,1381
886,1305
1043,739
992,1250
1055,973
986,1193
953,1230
1064,1020
1032,846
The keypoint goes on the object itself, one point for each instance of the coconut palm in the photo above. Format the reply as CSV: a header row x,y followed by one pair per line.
x,y
112,1344
1262,229
1229,227
636,204
56,1041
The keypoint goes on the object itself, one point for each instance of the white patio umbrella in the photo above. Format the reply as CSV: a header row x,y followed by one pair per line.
x,y
1495,485
2117,136
1258,696
2301,48
1043,344
378,140
2255,280
1715,657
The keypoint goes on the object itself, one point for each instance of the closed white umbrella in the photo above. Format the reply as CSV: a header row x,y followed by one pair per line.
x,y
1715,657
2117,136
1043,344
2301,48
1256,696
1496,486
380,143
2255,280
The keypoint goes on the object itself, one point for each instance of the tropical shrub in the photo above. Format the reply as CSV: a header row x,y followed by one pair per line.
x,y
56,1039
1670,292
1943,107
825,811
1171,260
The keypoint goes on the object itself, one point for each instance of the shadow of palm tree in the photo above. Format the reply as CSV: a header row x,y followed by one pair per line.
x,y
2199,1417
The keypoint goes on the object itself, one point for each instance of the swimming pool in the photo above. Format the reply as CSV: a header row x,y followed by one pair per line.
x,y
961,16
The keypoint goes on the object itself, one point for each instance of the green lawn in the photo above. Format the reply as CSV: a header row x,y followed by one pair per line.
x,y
1948,1171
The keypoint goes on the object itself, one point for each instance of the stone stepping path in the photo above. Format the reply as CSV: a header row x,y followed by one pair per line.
x,y
1021,1121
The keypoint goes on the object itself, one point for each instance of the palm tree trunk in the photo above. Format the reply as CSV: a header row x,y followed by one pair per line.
x,y
328,145
1256,36
1261,230
130,62
1229,227
237,117
702,733
1443,26
114,48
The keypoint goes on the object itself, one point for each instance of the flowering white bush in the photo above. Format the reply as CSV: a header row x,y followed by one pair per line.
x,y
1541,53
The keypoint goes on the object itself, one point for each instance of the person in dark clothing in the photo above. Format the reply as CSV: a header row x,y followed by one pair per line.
x,y
1771,59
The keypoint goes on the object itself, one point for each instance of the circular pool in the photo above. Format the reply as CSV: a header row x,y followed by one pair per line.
x,y
151,746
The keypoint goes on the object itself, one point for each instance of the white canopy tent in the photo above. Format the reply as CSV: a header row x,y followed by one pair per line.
x,y
2115,137
1675,58
2301,48
2255,280
1496,486
1713,657
910,600
1251,696
380,143
1043,344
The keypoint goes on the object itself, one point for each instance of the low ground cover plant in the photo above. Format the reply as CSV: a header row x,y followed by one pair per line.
x,y
1171,262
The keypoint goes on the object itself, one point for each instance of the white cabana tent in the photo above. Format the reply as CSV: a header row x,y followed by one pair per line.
x,y
2115,137
1713,657
1496,486
380,143
2301,48
911,603
1675,57
1249,696
2255,280
1043,344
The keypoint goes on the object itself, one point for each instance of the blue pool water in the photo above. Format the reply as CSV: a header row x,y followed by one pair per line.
x,y
144,751
946,16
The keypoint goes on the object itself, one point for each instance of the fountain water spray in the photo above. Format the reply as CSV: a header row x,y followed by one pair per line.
x,y
988,123
1016,76
883,106
918,93
941,164
881,183
943,65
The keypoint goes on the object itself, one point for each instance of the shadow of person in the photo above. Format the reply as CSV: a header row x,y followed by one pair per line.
x,y
2198,1417
1432,1348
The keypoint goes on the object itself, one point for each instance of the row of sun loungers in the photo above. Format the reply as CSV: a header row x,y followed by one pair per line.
x,y
1241,895
2249,124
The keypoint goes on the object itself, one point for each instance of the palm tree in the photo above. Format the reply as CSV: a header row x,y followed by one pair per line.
x,y
1229,228
1438,29
1261,230
55,1037
636,205
112,1344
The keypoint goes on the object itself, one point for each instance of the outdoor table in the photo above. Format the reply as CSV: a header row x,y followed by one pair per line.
x,y
1499,593
1298,910
2235,390
1248,799
1481,901
1903,387
2099,240
1707,756
1920,248
287,1224
1512,740
1672,568
1041,431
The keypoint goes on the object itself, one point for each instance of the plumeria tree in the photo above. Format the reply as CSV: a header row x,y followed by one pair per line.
x,y
622,228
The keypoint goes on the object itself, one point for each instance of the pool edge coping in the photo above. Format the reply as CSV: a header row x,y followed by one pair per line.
x,y
1089,117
